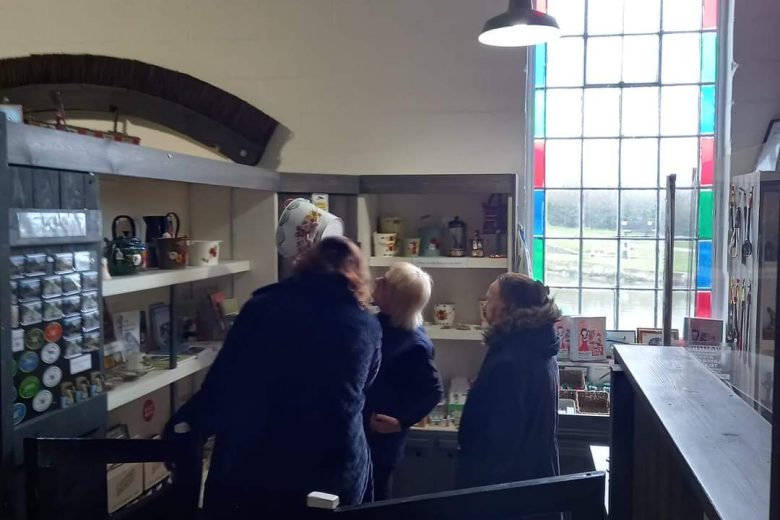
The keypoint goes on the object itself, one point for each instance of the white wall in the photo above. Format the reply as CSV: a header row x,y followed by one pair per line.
x,y
367,86
756,88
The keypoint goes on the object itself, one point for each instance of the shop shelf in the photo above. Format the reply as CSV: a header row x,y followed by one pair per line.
x,y
437,332
157,278
442,262
158,378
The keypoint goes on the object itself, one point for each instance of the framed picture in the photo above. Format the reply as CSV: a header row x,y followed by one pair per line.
x,y
654,337
619,337
160,326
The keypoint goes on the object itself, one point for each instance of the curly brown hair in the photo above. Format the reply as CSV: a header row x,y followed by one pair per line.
x,y
343,256
528,305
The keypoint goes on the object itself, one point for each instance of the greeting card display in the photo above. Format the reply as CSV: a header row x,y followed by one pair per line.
x,y
587,338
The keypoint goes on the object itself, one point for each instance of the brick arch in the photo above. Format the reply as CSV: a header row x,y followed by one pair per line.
x,y
177,101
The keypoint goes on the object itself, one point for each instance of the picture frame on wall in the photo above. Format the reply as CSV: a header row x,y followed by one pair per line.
x,y
653,337
618,337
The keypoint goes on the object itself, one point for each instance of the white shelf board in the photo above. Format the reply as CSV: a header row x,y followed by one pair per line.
x,y
158,378
584,364
437,332
441,262
156,278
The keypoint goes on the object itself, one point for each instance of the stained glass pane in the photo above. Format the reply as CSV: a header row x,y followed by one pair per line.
x,y
564,112
640,111
710,15
602,112
640,59
568,300
708,109
703,304
641,16
636,309
539,166
605,56
570,15
679,110
599,263
679,156
684,263
709,57
565,62
538,259
682,15
639,163
563,163
605,16
637,263
562,262
707,166
539,210
563,213
540,117
704,266
681,62
540,65
600,159
599,213
599,302
638,213
705,214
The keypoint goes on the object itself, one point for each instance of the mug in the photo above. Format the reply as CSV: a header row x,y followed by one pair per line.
x,y
385,244
483,317
444,314
135,360
412,247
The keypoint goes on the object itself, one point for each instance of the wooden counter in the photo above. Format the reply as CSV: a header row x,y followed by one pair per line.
x,y
683,444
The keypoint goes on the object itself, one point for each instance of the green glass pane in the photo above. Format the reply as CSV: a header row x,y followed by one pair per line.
x,y
709,57
705,214
539,113
539,259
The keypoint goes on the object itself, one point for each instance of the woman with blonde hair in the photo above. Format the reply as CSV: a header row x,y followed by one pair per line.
x,y
408,386
285,396
510,421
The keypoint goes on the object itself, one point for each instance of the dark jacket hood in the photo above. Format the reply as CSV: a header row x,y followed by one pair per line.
x,y
540,341
527,319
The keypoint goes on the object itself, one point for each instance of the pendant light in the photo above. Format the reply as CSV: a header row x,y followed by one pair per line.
x,y
520,26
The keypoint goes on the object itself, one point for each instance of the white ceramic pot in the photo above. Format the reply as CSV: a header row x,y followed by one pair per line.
x,y
385,244
303,224
204,252
444,314
483,317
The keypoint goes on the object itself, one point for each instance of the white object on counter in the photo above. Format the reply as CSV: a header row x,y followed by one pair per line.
x,y
204,252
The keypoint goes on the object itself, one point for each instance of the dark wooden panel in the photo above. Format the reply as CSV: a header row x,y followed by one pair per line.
x,y
72,190
21,187
345,206
45,148
46,189
720,444
440,184
621,460
318,183
92,192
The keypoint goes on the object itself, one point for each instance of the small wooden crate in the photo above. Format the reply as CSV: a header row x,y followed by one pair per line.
x,y
592,401
572,378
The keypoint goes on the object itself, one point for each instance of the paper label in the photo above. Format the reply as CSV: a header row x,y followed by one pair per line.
x,y
17,340
80,364
52,224
437,261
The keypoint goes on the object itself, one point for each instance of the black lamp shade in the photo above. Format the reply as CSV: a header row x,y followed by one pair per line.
x,y
520,26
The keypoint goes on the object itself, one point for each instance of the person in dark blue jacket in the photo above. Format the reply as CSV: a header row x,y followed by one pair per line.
x,y
285,396
408,386
509,427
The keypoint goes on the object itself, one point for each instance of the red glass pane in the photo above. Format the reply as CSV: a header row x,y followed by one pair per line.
x,y
710,14
539,163
704,304
541,5
707,164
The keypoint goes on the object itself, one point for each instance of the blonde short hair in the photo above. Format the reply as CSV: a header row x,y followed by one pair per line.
x,y
407,289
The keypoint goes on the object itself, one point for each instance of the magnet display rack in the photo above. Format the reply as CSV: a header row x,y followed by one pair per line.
x,y
47,172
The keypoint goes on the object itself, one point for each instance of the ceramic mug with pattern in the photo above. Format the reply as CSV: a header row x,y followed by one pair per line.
x,y
385,244
302,224
444,314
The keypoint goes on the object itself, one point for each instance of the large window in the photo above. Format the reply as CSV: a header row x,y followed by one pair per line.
x,y
624,98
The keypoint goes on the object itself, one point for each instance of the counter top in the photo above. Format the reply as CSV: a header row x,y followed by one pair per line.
x,y
722,444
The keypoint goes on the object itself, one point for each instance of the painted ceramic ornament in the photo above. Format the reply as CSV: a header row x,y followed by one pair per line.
x,y
303,224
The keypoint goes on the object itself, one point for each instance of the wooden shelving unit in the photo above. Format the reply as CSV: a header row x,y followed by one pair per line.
x,y
157,278
436,332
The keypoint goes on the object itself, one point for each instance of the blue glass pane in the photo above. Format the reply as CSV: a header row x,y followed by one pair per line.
x,y
540,65
704,268
538,213
708,109
709,57
539,113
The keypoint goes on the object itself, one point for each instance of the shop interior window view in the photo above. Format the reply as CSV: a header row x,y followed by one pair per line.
x,y
623,99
